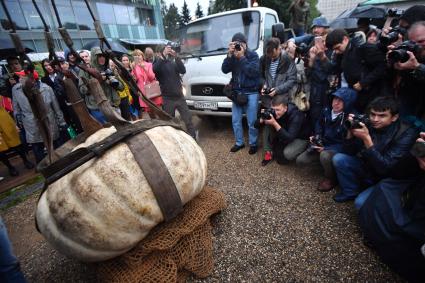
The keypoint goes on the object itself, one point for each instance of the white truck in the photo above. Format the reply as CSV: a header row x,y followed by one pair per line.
x,y
204,45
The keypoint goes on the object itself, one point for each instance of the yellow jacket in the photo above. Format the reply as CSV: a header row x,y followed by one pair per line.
x,y
9,136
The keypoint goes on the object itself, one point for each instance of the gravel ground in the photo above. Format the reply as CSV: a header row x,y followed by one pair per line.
x,y
277,227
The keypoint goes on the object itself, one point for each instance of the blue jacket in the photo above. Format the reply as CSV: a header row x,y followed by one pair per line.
x,y
245,71
333,132
389,156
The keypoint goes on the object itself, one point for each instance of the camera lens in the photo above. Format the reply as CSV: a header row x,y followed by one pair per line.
x,y
238,47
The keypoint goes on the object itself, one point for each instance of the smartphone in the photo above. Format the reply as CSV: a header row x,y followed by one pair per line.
x,y
318,42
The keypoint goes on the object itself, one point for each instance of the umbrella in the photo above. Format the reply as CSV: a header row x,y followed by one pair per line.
x,y
115,46
348,19
7,48
344,23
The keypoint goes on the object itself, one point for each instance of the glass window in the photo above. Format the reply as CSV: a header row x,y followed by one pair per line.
x,y
270,20
134,15
121,15
32,16
212,36
66,14
16,14
106,13
82,14
147,17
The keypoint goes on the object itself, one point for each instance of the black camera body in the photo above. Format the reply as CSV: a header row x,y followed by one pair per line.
x,y
316,141
394,13
418,149
238,46
267,91
399,54
109,74
392,36
268,113
355,123
302,49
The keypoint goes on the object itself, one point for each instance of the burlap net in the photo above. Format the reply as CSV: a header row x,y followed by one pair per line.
x,y
173,250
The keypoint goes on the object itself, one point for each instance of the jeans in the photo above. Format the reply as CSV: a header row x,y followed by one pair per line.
x,y
98,115
9,265
362,197
351,173
250,109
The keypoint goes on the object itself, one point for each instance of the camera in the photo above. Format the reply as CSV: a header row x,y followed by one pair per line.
x,y
316,141
418,149
355,123
111,77
394,13
268,113
399,54
238,46
392,36
267,91
302,49
176,46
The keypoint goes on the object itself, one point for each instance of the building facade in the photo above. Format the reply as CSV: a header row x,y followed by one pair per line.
x,y
330,9
132,19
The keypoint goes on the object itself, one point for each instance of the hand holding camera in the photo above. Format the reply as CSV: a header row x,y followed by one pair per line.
x,y
270,91
357,126
316,144
239,50
418,150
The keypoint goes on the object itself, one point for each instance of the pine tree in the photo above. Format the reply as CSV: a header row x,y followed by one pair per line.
x,y
171,22
199,13
185,16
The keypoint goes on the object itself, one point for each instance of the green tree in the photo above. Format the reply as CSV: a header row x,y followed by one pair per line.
x,y
171,21
225,5
198,12
185,16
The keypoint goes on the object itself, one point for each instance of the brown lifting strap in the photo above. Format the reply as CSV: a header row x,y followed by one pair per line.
x,y
157,175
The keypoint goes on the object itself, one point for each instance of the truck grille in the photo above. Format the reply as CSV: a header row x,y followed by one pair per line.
x,y
207,90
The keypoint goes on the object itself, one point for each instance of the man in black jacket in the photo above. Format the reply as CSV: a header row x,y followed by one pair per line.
x,y
168,69
362,67
288,131
374,152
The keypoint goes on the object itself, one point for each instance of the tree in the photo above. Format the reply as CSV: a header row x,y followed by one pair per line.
x,y
185,16
198,12
171,22
225,5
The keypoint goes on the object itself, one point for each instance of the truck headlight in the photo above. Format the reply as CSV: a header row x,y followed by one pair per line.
x,y
184,91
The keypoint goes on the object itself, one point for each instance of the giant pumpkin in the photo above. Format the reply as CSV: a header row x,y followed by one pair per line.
x,y
106,206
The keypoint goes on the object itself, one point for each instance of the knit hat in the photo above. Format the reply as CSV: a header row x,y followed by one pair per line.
x,y
239,37
414,14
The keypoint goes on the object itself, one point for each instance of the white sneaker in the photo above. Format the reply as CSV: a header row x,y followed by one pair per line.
x,y
1,178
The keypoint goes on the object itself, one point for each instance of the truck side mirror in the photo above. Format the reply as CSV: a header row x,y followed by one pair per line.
x,y
278,30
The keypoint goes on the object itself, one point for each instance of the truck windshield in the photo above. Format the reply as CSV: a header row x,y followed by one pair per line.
x,y
212,36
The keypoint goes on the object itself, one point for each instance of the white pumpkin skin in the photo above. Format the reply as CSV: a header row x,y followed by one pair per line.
x,y
105,207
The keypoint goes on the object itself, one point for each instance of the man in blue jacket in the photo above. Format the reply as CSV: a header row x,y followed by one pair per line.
x,y
245,67
329,135
376,151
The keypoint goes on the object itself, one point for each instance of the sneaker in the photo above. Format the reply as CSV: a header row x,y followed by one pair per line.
x,y
326,185
253,149
28,164
236,147
268,157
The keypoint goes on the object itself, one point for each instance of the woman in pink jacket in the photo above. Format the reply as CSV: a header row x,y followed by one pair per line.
x,y
143,73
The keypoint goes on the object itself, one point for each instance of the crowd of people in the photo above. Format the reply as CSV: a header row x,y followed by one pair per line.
x,y
352,102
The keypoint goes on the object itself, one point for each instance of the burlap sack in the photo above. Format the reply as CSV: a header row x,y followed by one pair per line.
x,y
172,251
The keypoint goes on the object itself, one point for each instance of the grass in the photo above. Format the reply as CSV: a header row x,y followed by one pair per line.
x,y
16,191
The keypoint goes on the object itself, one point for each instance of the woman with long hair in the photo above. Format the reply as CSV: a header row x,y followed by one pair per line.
x,y
143,72
136,111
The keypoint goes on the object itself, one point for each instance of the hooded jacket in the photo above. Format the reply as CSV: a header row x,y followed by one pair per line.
x,y
331,131
110,93
286,73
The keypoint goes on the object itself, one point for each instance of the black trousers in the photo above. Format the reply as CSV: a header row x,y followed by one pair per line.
x,y
170,105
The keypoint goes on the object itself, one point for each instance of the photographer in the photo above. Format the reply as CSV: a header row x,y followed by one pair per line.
x,y
110,84
376,147
408,61
245,67
168,70
288,131
361,67
329,135
392,219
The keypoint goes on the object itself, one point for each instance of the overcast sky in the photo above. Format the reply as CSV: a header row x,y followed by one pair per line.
x,y
191,4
